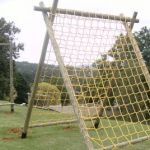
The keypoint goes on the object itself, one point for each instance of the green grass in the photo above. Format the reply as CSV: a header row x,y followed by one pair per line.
x,y
43,116
118,132
60,137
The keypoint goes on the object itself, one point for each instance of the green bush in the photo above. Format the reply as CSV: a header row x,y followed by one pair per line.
x,y
47,94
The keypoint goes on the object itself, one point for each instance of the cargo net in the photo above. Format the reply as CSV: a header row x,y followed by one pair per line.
x,y
107,77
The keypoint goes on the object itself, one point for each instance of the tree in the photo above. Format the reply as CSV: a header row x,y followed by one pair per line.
x,y
143,39
8,33
22,89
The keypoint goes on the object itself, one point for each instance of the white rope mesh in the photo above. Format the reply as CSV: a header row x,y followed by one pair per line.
x,y
109,84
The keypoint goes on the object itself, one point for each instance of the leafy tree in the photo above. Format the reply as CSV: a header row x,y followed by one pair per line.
x,y
22,89
143,39
8,33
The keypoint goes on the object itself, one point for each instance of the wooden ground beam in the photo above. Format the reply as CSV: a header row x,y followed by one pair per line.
x,y
126,143
53,123
57,123
5,104
47,108
87,14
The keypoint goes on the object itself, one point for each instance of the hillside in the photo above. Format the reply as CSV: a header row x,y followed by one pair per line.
x,y
27,70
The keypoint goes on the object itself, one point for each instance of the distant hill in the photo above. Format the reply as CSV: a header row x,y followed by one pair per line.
x,y
27,70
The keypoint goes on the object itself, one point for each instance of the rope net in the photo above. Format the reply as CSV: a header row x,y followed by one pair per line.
x,y
110,87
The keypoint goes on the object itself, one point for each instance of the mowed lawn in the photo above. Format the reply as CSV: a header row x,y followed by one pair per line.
x,y
58,137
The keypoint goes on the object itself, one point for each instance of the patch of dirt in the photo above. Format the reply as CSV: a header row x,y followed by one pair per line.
x,y
14,130
7,139
68,128
8,113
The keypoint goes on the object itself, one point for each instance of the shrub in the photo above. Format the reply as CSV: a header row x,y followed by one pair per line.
x,y
47,94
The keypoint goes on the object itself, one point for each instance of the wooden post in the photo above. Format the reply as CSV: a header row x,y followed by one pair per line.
x,y
97,122
133,20
67,81
137,51
11,79
37,76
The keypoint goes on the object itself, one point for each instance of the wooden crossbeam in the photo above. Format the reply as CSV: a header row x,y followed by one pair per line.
x,y
87,14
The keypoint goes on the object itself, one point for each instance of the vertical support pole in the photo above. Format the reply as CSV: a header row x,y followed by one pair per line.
x,y
133,20
11,79
96,124
137,50
67,81
38,72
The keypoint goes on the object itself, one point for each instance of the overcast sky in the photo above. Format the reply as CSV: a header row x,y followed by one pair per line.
x,y
32,25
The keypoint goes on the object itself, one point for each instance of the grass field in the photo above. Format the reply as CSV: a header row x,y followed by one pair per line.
x,y
59,137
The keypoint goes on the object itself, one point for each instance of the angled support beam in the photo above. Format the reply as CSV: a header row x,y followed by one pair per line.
x,y
136,48
138,54
67,81
37,76
133,20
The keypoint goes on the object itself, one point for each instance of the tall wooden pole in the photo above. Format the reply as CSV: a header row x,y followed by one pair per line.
x,y
11,79
37,76
97,122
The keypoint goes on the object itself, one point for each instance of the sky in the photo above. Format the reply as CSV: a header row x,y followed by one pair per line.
x,y
32,25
